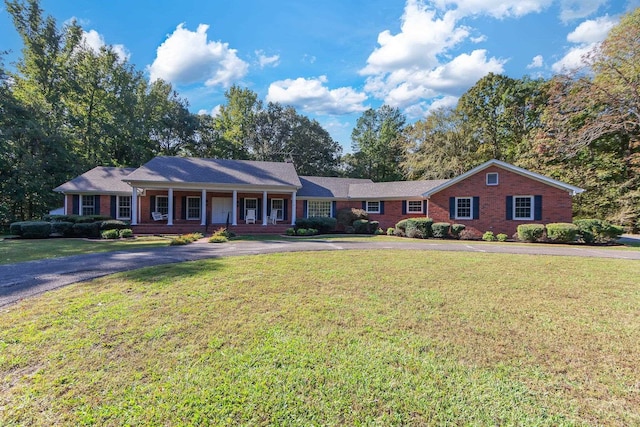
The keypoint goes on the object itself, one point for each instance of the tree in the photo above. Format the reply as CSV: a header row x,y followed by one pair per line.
x,y
236,121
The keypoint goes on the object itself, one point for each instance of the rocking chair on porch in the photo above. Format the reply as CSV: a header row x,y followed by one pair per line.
x,y
157,216
273,218
251,216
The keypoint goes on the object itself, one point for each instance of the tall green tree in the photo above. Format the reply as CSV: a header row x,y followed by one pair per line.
x,y
236,121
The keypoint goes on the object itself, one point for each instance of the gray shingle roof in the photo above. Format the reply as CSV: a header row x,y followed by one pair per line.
x,y
216,171
318,186
100,179
390,190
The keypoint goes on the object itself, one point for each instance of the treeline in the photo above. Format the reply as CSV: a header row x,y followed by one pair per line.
x,y
68,108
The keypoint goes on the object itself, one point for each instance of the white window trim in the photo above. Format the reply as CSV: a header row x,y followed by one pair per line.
x,y
497,178
280,209
470,208
421,210
371,210
531,212
118,208
156,209
193,218
320,201
92,206
246,208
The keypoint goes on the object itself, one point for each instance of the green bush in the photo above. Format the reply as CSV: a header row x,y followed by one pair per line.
x,y
502,237
361,226
185,239
126,233
530,232
423,224
80,219
15,228
379,232
35,229
347,216
323,224
561,232
391,231
218,239
488,236
414,233
597,230
301,232
350,229
290,231
456,229
440,230
87,229
60,218
401,226
222,231
113,224
110,234
62,228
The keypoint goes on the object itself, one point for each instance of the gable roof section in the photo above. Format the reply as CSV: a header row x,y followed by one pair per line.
x,y
192,170
393,190
532,175
104,180
327,187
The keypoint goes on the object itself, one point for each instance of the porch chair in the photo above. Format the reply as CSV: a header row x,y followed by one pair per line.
x,y
157,216
251,216
273,218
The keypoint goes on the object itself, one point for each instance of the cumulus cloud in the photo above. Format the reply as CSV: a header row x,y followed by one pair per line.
x,y
95,41
586,37
312,95
264,60
536,62
187,57
495,8
214,112
579,9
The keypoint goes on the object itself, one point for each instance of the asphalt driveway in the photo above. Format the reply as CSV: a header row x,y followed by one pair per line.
x,y
25,279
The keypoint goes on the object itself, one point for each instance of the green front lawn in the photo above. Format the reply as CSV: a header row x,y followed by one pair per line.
x,y
18,250
331,338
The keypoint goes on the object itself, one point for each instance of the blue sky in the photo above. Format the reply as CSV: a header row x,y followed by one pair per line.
x,y
333,59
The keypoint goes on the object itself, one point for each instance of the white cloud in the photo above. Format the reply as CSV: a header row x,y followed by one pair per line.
x,y
578,9
187,57
495,8
587,37
536,62
214,112
312,95
95,41
264,60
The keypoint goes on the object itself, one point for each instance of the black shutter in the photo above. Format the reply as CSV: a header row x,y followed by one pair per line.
x,y
509,207
183,214
268,207
404,207
305,210
114,206
96,205
285,209
452,207
75,209
334,209
476,207
364,206
537,208
381,208
152,206
259,213
242,209
424,206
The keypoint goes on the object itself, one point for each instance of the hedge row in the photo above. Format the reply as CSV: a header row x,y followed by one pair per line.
x,y
424,228
75,226
587,231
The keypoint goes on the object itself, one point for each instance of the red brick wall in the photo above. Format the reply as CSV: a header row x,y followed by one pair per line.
x,y
556,203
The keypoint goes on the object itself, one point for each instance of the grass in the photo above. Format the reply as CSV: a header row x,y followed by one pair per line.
x,y
331,338
18,250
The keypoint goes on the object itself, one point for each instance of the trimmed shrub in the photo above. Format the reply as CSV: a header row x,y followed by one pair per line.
x,y
414,233
361,226
530,232
113,224
469,235
561,232
597,230
402,226
391,231
301,232
423,224
60,218
218,239
87,229
488,236
110,234
379,232
35,230
62,228
456,229
290,231
440,230
126,233
347,216
502,237
323,224
79,219
15,228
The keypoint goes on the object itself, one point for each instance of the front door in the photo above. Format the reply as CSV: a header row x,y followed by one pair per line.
x,y
221,208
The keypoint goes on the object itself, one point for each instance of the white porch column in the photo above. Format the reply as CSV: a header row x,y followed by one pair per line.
x,y
66,208
234,208
264,208
134,206
80,204
203,208
293,208
170,210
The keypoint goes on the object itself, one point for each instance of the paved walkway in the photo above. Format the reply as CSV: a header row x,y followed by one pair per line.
x,y
21,280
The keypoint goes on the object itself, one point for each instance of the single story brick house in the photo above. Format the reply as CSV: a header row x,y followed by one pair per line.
x,y
182,194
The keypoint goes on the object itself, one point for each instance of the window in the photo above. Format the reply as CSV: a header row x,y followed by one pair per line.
x,y
492,178
124,207
373,207
250,204
193,207
279,205
318,208
414,206
464,208
88,205
523,207
162,205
